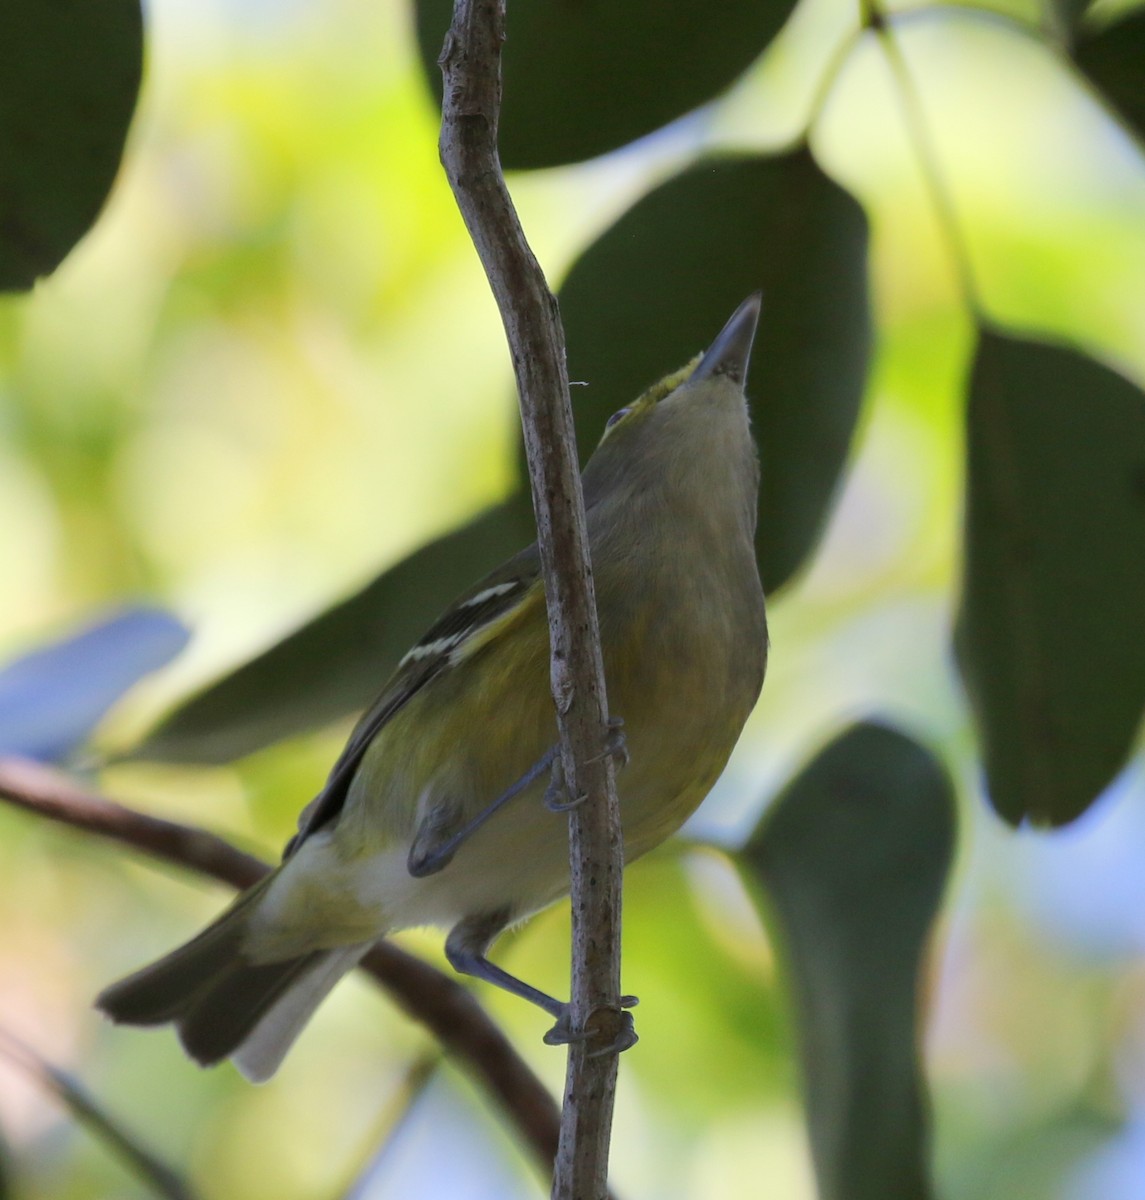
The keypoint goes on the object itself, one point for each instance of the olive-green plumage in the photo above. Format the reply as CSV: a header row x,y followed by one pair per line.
x,y
671,495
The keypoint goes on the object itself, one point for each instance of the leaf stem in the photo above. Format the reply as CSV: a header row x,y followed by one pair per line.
x,y
934,177
830,76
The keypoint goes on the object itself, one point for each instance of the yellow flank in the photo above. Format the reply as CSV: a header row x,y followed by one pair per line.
x,y
464,739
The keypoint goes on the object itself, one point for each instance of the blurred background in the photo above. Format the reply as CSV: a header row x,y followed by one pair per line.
x,y
275,367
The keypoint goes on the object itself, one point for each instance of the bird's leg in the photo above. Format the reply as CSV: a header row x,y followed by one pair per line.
x,y
440,834
615,746
466,948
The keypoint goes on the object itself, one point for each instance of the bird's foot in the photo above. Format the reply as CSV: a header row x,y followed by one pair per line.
x,y
615,746
610,1030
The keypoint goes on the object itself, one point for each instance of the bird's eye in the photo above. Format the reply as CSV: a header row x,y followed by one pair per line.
x,y
619,415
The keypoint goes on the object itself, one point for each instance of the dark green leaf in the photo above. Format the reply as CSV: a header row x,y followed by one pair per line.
x,y
71,74
853,858
1049,637
334,665
584,78
661,282
1114,59
1069,12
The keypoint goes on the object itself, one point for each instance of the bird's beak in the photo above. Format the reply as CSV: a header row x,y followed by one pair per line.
x,y
730,353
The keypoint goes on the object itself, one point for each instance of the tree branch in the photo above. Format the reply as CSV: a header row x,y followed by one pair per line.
x,y
471,68
440,1003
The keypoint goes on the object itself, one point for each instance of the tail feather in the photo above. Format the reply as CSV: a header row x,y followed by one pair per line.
x,y
262,1052
222,1004
222,1016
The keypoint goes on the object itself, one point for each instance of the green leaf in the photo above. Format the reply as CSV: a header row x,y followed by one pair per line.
x,y
1114,60
853,858
335,664
658,285
587,77
1049,635
71,75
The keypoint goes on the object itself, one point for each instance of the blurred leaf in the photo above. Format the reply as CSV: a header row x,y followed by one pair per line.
x,y
1049,635
698,997
71,75
585,78
658,285
853,858
51,699
336,664
89,1113
1114,59
1029,1162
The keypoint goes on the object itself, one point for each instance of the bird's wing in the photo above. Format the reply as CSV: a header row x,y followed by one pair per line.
x,y
469,622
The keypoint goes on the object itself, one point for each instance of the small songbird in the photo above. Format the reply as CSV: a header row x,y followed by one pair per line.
x,y
437,811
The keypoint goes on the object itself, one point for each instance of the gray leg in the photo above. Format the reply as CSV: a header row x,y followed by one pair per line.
x,y
615,746
441,833
466,947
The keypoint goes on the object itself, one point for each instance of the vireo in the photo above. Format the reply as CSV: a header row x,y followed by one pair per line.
x,y
436,811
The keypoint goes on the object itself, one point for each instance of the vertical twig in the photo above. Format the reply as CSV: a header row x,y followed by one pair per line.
x,y
471,68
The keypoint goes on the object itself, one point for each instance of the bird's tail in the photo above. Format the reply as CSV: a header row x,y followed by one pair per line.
x,y
222,1004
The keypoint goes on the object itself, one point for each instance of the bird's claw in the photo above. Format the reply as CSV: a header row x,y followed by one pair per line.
x,y
614,1028
562,806
615,743
615,746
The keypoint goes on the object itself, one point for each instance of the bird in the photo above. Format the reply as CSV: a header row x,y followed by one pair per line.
x,y
441,808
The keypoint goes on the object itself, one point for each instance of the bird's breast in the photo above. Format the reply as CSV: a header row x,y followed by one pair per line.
x,y
684,678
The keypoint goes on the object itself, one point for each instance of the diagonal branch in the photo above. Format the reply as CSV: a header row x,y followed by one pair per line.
x,y
471,69
91,1114
438,1002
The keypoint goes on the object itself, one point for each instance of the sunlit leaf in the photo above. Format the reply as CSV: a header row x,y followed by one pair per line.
x,y
853,858
1049,636
335,664
658,285
582,79
52,698
71,75
709,1006
1114,59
